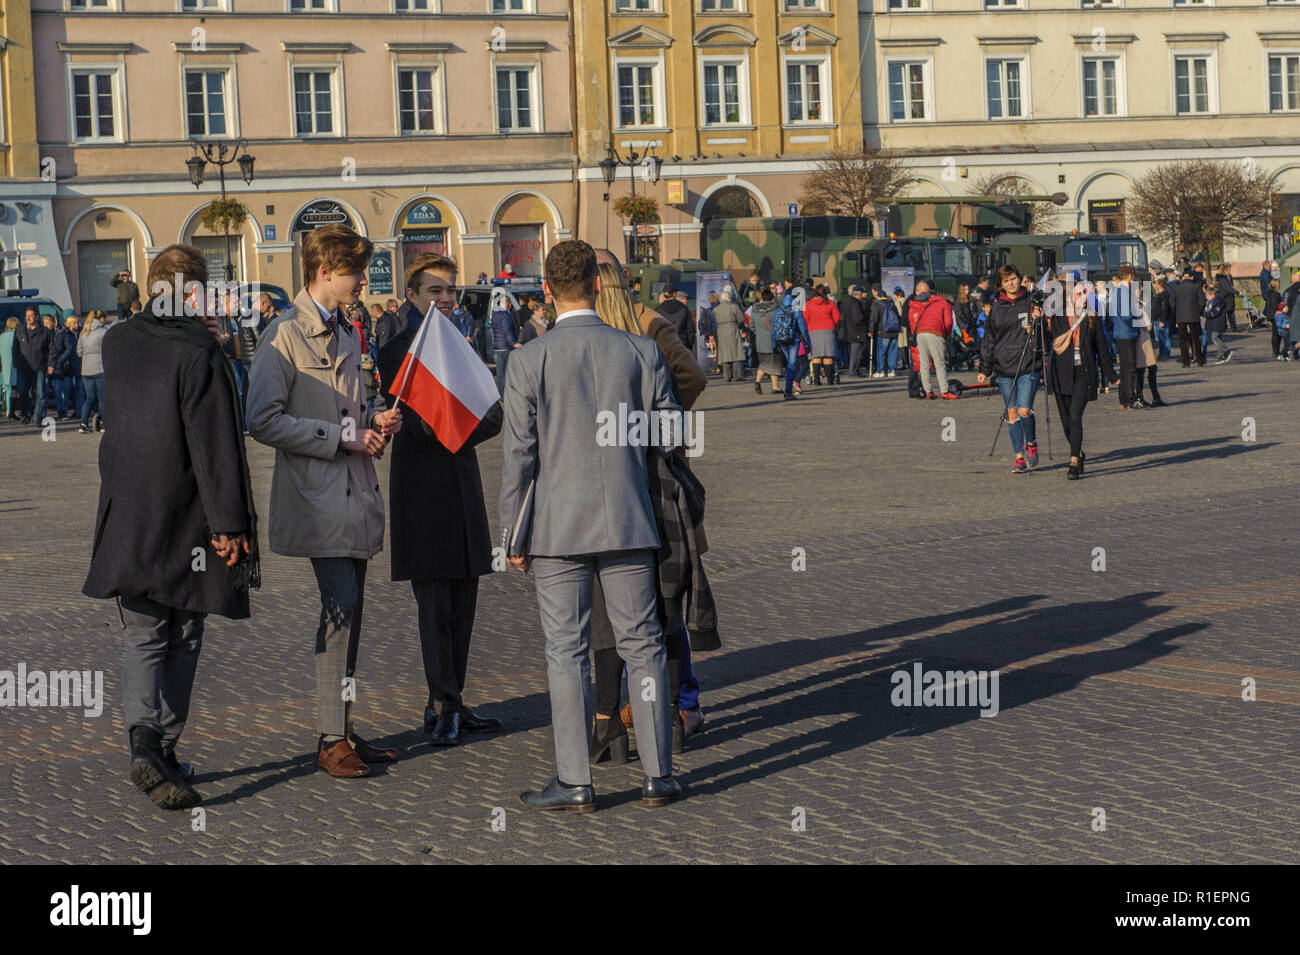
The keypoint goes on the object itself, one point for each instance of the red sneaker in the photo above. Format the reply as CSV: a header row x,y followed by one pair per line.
x,y
1031,453
1019,467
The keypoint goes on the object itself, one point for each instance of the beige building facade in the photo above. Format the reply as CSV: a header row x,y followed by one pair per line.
x,y
424,124
1084,96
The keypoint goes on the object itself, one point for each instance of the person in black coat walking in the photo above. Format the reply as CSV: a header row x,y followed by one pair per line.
x,y
440,539
1223,285
1187,299
1077,354
175,532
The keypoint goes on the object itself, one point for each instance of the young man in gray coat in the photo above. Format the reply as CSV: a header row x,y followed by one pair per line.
x,y
591,516
307,399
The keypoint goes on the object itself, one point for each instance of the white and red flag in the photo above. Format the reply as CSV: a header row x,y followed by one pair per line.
x,y
443,380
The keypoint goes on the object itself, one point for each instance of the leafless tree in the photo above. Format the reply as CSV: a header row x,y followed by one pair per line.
x,y
849,182
1202,204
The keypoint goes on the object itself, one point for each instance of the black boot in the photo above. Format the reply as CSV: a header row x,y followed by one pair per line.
x,y
832,374
154,775
609,741
1155,392
817,373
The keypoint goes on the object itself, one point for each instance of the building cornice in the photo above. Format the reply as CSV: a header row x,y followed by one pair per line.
x,y
316,46
187,46
116,49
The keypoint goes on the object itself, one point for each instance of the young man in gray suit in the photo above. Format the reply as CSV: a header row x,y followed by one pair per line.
x,y
591,516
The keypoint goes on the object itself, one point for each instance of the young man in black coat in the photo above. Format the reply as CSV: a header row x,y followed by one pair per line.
x,y
440,539
855,315
175,533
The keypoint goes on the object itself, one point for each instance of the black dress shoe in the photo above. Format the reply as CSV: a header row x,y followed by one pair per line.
x,y
1073,473
660,791
471,722
557,796
154,776
447,731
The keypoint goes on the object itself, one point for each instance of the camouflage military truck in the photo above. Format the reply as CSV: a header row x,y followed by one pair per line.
x,y
681,273
977,219
1103,254
837,250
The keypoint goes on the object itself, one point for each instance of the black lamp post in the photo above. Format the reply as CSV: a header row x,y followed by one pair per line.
x,y
221,154
609,169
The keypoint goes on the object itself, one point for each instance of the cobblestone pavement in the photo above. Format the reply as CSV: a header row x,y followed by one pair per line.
x,y
1120,690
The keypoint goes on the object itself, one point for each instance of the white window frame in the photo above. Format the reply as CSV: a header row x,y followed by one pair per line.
x,y
1101,4
331,6
1191,3
208,6
1211,80
1121,86
827,90
927,79
656,6
526,6
1269,53
802,6
1026,101
741,62
656,62
229,98
434,6
741,7
110,6
336,96
991,6
534,71
439,97
923,6
118,72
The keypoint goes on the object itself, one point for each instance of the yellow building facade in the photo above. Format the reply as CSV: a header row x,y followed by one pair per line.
x,y
736,97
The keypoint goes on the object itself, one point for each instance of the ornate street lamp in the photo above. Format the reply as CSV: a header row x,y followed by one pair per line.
x,y
609,168
221,154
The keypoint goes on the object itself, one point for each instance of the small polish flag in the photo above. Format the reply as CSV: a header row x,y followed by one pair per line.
x,y
443,380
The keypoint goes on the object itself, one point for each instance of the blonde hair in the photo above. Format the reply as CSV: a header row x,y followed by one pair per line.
x,y
94,315
11,324
614,304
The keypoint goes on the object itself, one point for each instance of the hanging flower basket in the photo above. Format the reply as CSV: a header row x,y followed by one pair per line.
x,y
637,209
223,215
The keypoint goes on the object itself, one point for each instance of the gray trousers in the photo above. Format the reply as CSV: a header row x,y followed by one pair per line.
x,y
162,652
930,347
342,583
628,579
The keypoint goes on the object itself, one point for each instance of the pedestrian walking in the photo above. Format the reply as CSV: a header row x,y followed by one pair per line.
x,y
307,401
66,368
32,361
822,317
1010,354
771,361
175,534
505,337
1078,357
8,393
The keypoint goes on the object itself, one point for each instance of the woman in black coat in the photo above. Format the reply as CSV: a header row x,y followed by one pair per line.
x,y
1078,351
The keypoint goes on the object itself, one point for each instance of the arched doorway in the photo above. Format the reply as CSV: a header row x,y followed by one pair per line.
x,y
521,224
730,202
312,216
425,225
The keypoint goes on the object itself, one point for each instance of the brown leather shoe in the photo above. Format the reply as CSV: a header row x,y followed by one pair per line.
x,y
371,754
625,714
692,721
340,760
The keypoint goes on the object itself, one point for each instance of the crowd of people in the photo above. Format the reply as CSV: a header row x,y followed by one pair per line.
x,y
613,533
